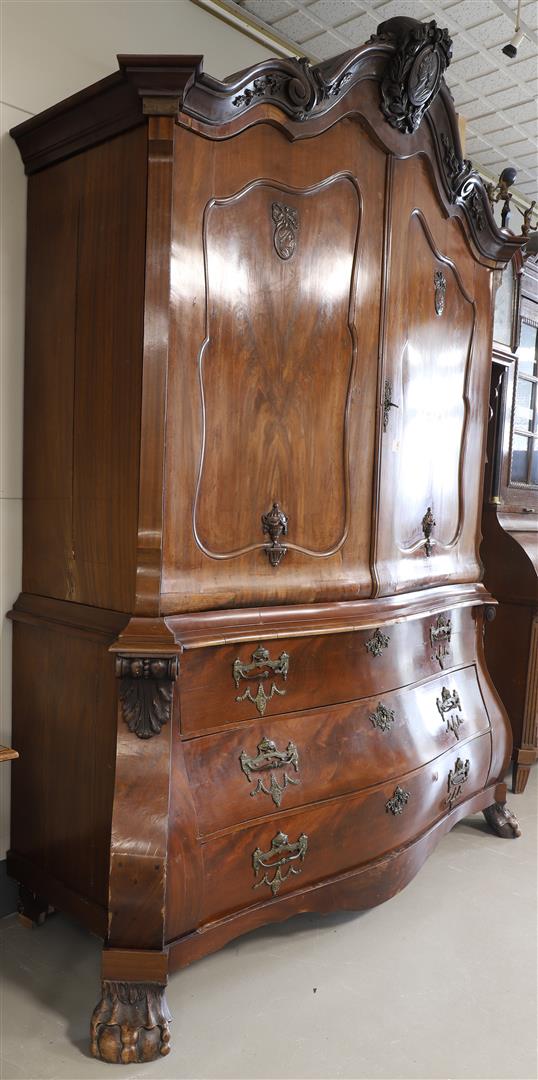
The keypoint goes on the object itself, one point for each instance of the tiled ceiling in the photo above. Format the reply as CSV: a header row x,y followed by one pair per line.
x,y
497,96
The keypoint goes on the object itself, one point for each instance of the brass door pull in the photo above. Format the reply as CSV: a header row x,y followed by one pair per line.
x,y
457,777
269,759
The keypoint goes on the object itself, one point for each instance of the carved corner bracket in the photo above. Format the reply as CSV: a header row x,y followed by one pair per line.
x,y
413,75
146,691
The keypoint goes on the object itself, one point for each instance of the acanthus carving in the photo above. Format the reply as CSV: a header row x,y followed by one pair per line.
x,y
413,75
302,90
145,692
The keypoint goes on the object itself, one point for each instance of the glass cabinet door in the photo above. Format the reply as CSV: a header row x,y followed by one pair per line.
x,y
524,443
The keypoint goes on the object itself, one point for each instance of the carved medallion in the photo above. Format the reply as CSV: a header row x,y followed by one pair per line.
x,y
413,75
281,853
275,525
145,692
286,220
439,281
398,802
382,718
377,643
440,635
428,525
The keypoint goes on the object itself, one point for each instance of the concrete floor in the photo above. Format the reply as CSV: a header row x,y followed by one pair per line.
x,y
440,982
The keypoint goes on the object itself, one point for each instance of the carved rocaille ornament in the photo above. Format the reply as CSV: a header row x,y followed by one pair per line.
x,y
301,90
145,692
413,75
131,1023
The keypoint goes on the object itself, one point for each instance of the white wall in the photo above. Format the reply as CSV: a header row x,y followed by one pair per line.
x,y
50,49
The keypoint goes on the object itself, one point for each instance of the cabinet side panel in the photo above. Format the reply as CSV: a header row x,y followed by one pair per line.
x,y
64,727
86,255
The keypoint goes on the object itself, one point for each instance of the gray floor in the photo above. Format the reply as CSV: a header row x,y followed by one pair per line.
x,y
440,982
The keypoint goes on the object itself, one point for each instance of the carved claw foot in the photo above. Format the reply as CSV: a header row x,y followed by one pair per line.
x,y
502,821
130,1024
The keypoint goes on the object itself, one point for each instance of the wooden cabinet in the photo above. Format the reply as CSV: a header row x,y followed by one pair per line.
x,y
510,518
248,661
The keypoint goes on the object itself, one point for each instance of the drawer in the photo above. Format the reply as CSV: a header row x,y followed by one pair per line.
x,y
226,684
313,844
236,776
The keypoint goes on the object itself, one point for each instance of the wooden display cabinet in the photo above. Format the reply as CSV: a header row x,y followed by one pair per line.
x,y
249,677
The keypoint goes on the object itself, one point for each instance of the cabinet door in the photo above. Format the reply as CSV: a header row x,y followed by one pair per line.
x,y
437,337
273,367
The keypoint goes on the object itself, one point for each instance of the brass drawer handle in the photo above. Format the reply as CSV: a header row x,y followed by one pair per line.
x,y
382,718
269,758
280,853
448,705
440,635
261,667
457,777
398,802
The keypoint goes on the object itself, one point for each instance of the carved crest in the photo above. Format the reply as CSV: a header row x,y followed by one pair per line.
x,y
413,75
145,692
286,220
439,281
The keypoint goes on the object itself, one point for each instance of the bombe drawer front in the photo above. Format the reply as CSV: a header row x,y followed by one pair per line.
x,y
227,684
291,851
293,760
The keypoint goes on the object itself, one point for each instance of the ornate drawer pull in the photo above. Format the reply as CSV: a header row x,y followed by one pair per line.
x,y
261,667
281,853
268,757
457,777
398,802
382,718
448,704
440,635
377,643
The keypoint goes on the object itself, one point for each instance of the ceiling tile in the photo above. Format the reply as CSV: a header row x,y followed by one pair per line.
x,y
525,71
490,123
488,84
333,12
469,68
269,10
417,9
359,29
526,111
299,27
324,46
471,12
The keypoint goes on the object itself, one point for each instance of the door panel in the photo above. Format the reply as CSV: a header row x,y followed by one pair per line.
x,y
266,395
272,387
435,390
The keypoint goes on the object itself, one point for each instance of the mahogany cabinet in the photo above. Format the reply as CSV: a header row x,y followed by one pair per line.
x,y
510,516
249,677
